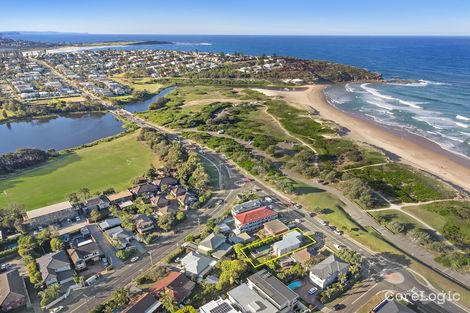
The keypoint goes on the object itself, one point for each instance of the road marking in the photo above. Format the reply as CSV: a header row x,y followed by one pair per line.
x,y
370,289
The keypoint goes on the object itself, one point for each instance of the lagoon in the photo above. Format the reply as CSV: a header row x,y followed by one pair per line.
x,y
66,131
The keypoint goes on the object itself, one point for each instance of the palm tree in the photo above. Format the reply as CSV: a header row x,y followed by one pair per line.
x,y
342,278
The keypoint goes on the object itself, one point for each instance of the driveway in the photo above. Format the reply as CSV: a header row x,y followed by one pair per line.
x,y
105,246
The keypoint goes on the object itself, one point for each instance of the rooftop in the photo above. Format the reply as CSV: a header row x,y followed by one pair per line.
x,y
254,215
279,293
11,282
275,227
250,300
54,208
328,267
119,195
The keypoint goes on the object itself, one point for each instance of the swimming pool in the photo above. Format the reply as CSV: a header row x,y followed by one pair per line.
x,y
295,284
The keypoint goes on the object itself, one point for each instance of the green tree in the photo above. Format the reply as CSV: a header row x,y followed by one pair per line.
x,y
166,222
26,245
180,216
49,294
95,215
168,302
56,244
187,309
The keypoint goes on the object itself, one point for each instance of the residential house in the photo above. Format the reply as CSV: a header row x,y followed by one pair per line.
x,y
197,265
83,252
326,272
302,256
249,301
391,306
216,245
145,190
12,291
109,223
98,203
159,201
145,303
178,191
275,227
290,241
165,182
272,289
55,268
125,204
143,223
218,306
248,206
186,200
240,238
51,214
176,284
253,220
120,197
118,234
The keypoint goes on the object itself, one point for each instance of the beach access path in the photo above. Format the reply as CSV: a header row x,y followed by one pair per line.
x,y
410,149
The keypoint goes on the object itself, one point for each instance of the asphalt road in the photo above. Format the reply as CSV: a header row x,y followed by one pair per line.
x,y
229,180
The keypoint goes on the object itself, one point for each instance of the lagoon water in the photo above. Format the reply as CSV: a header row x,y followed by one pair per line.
x,y
437,106
66,131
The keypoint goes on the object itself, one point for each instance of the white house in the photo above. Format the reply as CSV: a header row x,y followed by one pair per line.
x,y
219,305
326,272
197,265
290,241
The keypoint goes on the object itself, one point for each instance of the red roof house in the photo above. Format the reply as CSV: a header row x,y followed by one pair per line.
x,y
254,220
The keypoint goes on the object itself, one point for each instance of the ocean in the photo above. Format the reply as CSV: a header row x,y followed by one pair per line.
x,y
435,106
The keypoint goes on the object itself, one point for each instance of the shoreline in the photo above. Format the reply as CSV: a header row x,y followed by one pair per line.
x,y
409,148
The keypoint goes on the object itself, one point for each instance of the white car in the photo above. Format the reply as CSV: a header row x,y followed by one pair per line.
x,y
312,290
57,309
338,232
134,259
322,222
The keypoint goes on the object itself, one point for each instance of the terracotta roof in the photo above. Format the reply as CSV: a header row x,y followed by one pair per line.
x,y
176,283
254,215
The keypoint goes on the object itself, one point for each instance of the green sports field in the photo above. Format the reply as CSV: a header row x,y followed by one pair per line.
x,y
110,164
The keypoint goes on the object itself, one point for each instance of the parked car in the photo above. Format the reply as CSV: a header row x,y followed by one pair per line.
x,y
134,259
104,261
338,306
338,232
57,309
322,222
312,290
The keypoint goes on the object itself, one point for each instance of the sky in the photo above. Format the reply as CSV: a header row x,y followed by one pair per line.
x,y
240,17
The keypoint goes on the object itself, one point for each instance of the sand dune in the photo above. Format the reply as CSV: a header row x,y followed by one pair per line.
x,y
411,149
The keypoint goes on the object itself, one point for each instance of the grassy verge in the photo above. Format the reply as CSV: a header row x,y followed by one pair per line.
x,y
212,172
111,164
450,218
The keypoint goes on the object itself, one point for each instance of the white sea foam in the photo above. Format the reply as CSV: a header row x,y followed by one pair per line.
x,y
349,88
420,83
466,134
381,105
377,94
193,43
461,125
462,118
451,138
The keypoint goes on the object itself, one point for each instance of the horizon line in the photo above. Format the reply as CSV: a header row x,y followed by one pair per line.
x,y
208,34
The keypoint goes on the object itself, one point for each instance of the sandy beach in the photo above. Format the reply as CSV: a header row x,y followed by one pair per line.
x,y
410,149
